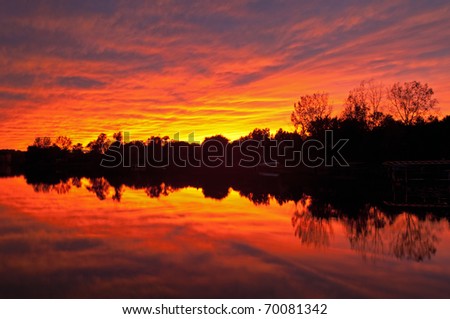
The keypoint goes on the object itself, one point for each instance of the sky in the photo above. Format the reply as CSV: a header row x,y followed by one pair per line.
x,y
80,68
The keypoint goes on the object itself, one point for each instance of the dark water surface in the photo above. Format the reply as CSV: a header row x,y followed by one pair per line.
x,y
86,238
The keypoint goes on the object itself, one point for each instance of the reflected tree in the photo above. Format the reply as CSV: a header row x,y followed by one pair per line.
x,y
365,231
257,198
41,187
375,234
118,192
76,182
100,187
215,191
62,187
59,188
310,229
155,191
414,239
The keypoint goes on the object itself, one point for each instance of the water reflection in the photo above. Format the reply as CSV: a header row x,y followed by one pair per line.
x,y
414,238
173,236
156,191
372,231
365,231
60,188
312,224
99,186
405,236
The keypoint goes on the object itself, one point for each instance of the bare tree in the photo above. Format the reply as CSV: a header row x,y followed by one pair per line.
x,y
375,95
309,109
411,101
364,104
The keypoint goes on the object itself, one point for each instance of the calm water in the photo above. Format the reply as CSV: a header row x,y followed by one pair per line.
x,y
86,238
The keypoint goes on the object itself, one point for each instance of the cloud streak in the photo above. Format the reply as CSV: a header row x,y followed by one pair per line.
x,y
162,67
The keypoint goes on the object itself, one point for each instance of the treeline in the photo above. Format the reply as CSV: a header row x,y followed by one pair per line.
x,y
259,146
396,122
391,140
380,124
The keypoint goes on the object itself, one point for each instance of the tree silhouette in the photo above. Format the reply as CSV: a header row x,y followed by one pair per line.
x,y
219,138
318,126
63,143
100,145
77,148
364,104
42,142
411,101
308,109
118,137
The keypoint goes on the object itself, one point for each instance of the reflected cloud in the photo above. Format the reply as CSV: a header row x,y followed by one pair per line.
x,y
164,236
373,231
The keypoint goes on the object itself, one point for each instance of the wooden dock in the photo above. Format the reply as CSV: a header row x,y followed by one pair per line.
x,y
419,184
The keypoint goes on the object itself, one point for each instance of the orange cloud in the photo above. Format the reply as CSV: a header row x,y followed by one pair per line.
x,y
78,70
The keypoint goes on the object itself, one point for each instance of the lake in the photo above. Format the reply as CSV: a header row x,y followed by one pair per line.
x,y
93,238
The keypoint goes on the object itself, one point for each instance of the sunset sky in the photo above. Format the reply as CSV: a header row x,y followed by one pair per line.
x,y
79,68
